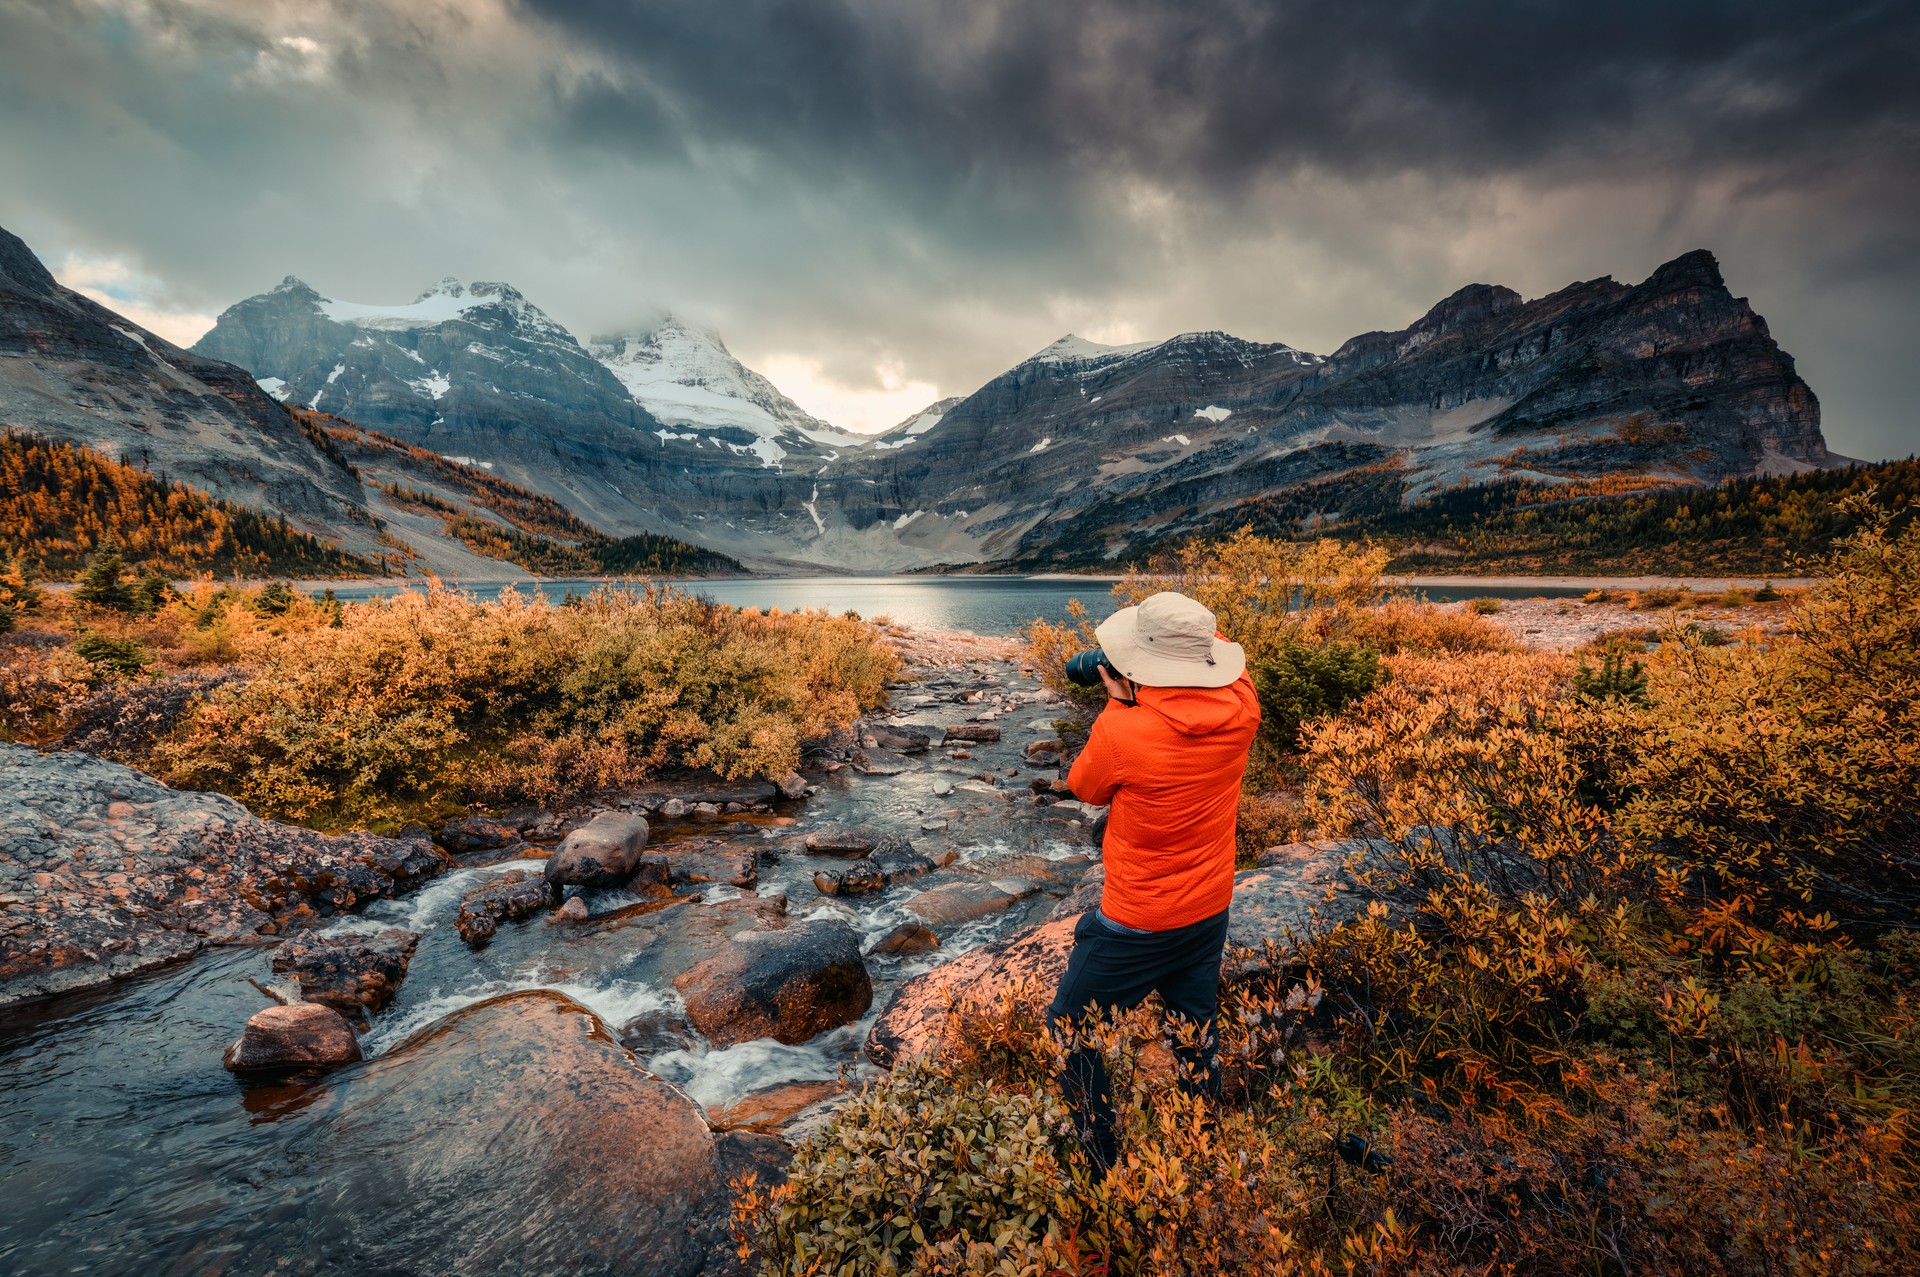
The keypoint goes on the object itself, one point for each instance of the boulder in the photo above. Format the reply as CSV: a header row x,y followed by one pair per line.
x,y
604,852
906,939
789,984
842,840
574,910
476,833
673,808
354,974
584,1162
304,1035
792,786
861,878
514,894
975,732
915,1019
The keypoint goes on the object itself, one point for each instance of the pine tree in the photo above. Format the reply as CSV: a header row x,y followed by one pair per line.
x,y
101,585
151,592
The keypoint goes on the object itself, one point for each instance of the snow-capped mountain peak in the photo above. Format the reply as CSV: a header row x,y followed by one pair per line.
x,y
683,373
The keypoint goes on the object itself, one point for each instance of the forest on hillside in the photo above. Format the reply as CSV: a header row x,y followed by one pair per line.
x,y
1755,525
527,528
59,503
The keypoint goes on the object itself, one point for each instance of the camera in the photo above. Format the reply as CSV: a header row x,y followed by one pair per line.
x,y
1084,668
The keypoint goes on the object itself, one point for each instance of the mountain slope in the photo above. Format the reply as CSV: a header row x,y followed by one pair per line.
x,y
1085,453
74,372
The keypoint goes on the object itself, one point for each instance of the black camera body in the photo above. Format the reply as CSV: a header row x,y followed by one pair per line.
x,y
1083,668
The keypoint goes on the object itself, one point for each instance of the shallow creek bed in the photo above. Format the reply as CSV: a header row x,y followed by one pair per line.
x,y
541,1097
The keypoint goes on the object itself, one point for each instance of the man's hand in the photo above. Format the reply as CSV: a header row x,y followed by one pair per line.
x,y
1119,688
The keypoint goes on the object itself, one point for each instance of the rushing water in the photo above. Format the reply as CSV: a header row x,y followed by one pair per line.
x,y
126,1148
982,604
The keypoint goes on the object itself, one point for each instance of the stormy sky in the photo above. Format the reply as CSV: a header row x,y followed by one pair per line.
x,y
881,201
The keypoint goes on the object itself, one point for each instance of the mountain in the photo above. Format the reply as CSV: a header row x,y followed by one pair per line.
x,y
686,377
480,374
74,372
1083,453
1086,453
192,465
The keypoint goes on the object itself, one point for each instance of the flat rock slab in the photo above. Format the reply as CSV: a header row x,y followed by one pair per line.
x,y
104,871
771,1108
1043,870
905,939
900,739
748,793
353,974
879,762
850,840
952,904
514,894
976,732
305,1035
584,1162
703,861
476,833
885,868
789,985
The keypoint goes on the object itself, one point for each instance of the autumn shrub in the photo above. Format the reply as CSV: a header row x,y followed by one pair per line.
x,y
1484,606
422,700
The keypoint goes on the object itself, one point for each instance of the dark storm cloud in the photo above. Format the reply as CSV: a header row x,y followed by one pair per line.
x,y
905,191
1220,90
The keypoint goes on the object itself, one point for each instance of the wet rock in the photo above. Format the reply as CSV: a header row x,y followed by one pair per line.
x,y
916,1017
656,1032
705,811
702,861
771,1108
354,974
115,873
574,910
900,739
514,894
876,762
1042,871
1043,758
765,1157
953,903
305,1035
476,833
843,840
907,938
976,732
942,787
792,786
789,985
589,1163
604,852
886,867
960,755
673,808
1085,894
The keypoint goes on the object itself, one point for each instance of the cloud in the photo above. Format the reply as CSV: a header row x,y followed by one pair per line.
x,y
855,185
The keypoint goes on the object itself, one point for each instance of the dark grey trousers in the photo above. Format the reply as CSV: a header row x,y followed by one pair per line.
x,y
1111,969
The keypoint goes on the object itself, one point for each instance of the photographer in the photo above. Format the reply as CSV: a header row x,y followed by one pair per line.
x,y
1167,753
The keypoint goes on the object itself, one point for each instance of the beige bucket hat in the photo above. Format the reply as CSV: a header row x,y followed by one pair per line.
x,y
1168,641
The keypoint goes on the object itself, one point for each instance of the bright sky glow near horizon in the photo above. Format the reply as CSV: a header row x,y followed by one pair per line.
x,y
882,202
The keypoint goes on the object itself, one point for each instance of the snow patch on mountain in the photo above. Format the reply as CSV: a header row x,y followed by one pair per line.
x,y
684,374
1213,412
1072,349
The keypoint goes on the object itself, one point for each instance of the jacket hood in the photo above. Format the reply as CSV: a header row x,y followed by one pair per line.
x,y
1200,711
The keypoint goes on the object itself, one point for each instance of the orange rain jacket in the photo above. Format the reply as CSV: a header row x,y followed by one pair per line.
x,y
1171,767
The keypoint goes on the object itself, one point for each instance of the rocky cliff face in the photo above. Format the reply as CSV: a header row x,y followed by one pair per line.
x,y
1082,452
1086,452
73,371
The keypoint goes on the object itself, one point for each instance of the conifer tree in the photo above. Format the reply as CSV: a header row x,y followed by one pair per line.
x,y
101,584
151,592
18,593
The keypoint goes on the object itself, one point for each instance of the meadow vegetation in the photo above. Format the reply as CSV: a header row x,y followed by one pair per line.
x,y
422,703
1634,993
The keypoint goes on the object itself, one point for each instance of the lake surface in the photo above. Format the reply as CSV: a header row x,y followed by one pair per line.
x,y
982,604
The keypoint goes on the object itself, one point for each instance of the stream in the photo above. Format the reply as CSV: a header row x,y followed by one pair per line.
x,y
126,1148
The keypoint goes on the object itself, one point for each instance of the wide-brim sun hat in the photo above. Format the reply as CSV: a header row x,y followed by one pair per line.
x,y
1169,640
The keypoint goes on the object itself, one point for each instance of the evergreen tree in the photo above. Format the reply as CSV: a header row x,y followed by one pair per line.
x,y
151,593
275,598
101,584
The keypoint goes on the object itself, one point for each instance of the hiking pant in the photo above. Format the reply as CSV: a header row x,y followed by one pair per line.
x,y
1114,969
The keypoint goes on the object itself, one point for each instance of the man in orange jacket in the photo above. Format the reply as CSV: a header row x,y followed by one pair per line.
x,y
1167,753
